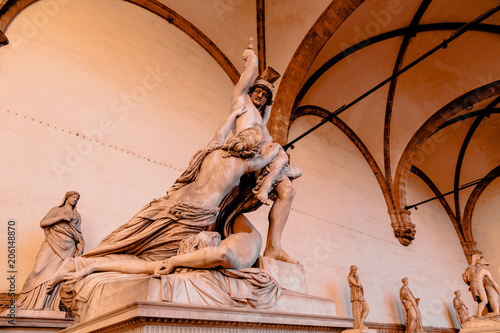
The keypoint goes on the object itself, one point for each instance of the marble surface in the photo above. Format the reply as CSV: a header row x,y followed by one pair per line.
x,y
289,276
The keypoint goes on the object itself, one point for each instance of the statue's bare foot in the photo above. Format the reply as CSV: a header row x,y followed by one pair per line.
x,y
264,198
279,254
166,267
293,172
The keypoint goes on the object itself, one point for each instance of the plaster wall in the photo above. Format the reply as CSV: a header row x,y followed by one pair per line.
x,y
149,97
145,93
340,219
486,227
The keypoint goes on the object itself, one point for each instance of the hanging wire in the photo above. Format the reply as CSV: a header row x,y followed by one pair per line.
x,y
463,187
443,44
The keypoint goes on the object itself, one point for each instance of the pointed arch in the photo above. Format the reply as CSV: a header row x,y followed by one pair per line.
x,y
13,8
304,56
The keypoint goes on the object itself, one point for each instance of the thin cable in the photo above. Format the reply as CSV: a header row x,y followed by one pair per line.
x,y
443,44
463,187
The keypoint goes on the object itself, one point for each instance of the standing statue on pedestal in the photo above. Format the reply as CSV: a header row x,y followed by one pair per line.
x,y
461,309
484,289
63,241
411,313
257,97
360,306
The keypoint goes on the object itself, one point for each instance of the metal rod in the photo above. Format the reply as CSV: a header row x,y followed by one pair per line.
x,y
443,44
475,182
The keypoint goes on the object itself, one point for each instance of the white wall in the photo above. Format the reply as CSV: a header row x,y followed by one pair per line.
x,y
486,226
340,219
123,76
88,67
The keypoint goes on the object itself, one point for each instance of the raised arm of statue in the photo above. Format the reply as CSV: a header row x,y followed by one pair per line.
x,y
251,63
265,116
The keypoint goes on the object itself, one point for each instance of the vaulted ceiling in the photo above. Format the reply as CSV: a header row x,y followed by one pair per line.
x,y
414,84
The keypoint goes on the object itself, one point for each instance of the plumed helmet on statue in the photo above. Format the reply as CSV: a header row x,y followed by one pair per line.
x,y
265,81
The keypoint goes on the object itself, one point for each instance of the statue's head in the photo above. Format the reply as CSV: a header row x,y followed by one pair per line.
x,y
71,197
262,89
354,269
198,241
405,281
245,144
260,95
478,260
457,293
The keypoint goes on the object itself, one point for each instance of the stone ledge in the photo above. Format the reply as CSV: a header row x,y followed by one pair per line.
x,y
34,324
481,325
140,314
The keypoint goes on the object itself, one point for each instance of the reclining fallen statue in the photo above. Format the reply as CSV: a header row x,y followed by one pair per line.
x,y
150,242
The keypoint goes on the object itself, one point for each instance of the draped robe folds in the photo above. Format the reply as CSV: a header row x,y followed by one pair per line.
x,y
411,313
150,234
461,310
63,240
154,234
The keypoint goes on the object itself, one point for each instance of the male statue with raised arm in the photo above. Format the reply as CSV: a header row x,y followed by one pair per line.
x,y
257,97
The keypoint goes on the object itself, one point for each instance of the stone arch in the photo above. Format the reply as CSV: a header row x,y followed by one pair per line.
x,y
12,9
295,74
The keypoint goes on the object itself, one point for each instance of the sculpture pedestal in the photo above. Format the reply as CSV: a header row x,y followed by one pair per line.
x,y
289,276
140,305
35,321
481,325
161,317
115,296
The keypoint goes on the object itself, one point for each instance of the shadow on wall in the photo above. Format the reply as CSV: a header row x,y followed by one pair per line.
x,y
333,293
394,306
347,303
450,311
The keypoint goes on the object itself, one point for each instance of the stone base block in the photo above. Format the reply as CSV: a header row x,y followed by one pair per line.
x,y
117,295
161,317
481,325
41,314
137,306
289,276
35,321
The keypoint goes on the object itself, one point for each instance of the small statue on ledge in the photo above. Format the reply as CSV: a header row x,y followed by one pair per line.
x,y
411,313
461,309
360,306
484,289
63,241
